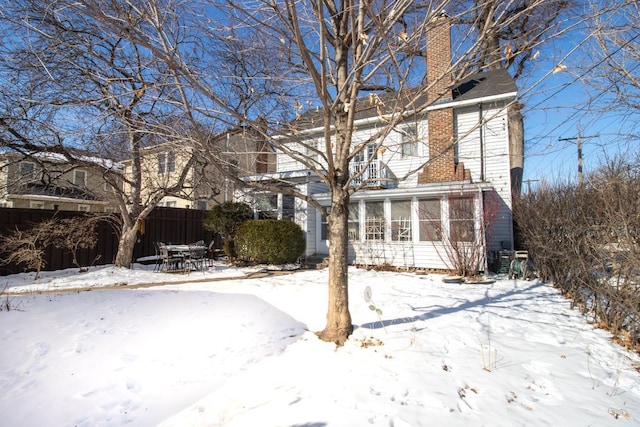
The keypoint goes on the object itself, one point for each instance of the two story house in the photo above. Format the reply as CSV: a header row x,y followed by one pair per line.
x,y
49,181
440,181
238,150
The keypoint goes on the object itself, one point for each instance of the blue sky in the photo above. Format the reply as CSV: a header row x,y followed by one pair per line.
x,y
557,106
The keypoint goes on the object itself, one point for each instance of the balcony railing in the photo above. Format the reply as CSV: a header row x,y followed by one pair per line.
x,y
373,174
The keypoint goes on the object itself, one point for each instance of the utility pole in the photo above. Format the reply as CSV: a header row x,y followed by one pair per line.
x,y
578,140
528,182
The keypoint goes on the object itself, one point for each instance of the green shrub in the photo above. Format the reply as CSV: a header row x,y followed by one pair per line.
x,y
227,217
228,247
269,241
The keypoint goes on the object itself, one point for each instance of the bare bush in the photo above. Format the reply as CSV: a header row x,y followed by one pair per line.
x,y
75,234
585,239
28,246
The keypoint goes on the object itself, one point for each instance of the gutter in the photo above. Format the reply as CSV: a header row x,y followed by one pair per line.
x,y
440,106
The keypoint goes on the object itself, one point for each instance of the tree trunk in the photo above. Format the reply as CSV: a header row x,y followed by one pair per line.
x,y
126,245
338,327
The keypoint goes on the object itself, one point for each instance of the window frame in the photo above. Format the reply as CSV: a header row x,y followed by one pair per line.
x,y
399,230
375,222
80,172
430,226
462,216
409,141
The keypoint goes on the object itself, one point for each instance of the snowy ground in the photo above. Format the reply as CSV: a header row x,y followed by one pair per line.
x,y
241,352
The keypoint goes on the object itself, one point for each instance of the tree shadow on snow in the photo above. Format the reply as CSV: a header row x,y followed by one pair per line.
x,y
433,312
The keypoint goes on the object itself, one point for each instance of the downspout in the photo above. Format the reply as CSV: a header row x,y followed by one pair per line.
x,y
483,235
482,156
226,178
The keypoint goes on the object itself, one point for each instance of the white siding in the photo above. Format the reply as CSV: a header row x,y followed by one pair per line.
x,y
488,162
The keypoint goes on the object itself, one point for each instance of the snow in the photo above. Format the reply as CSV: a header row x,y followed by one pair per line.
x,y
229,347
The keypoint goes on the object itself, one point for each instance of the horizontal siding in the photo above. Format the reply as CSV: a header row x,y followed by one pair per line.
x,y
402,255
468,132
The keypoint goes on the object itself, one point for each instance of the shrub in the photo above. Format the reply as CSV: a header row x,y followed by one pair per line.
x,y
269,241
227,217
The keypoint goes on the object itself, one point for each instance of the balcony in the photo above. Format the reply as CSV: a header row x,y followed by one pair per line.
x,y
374,174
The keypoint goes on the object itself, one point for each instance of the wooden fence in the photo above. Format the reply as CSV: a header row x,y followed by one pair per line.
x,y
163,224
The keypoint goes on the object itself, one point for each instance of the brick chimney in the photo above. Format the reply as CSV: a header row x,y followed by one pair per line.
x,y
441,166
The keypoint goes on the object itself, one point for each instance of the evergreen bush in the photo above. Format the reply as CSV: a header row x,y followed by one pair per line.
x,y
269,241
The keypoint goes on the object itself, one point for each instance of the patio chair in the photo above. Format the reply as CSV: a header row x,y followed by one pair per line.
x,y
159,261
195,258
169,261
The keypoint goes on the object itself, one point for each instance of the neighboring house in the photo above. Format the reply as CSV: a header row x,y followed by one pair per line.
x,y
205,185
454,196
49,181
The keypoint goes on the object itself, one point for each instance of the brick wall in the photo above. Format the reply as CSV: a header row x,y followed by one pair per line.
x,y
441,166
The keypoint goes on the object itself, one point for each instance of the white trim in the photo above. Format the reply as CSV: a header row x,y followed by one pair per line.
x,y
439,106
474,101
449,188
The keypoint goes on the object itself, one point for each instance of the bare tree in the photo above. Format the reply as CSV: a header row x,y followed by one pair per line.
x,y
613,66
341,57
71,83
262,63
510,34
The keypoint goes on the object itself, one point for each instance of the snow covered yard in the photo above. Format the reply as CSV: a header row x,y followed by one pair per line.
x,y
241,352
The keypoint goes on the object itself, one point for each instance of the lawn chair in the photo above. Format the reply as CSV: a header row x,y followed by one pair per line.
x,y
170,262
195,258
159,262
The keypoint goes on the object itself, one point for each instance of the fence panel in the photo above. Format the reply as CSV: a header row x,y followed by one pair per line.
x,y
163,224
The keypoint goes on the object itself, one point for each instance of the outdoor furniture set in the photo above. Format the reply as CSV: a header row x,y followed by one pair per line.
x,y
181,258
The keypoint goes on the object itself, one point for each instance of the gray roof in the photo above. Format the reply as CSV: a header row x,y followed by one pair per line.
x,y
483,84
476,86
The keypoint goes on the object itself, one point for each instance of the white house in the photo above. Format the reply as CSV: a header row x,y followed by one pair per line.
x,y
440,182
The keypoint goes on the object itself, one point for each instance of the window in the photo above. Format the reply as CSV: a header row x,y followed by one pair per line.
x,y
409,143
267,206
79,178
288,207
324,227
429,220
171,204
84,208
166,162
401,221
27,169
374,221
109,209
461,219
36,205
162,163
171,162
353,224
201,205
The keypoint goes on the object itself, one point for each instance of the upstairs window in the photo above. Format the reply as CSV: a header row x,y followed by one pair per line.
x,y
166,162
79,178
409,143
27,169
